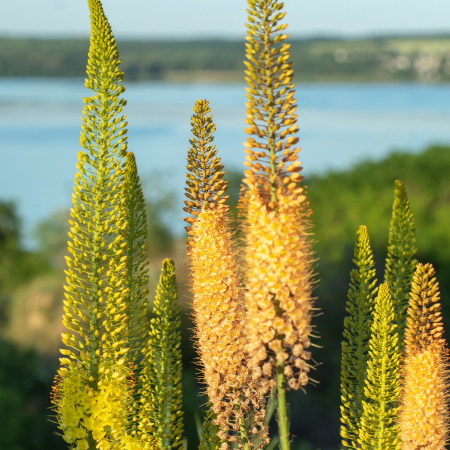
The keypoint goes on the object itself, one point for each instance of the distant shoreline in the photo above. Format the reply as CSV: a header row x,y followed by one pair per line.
x,y
380,59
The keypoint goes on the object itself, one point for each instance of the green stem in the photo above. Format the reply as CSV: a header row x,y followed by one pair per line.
x,y
244,435
283,428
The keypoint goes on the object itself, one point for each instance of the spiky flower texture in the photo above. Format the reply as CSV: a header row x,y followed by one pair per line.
x,y
401,250
357,324
95,383
423,417
131,257
379,428
130,267
209,439
276,228
161,377
270,102
217,294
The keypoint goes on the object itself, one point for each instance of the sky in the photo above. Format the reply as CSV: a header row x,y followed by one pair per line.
x,y
224,18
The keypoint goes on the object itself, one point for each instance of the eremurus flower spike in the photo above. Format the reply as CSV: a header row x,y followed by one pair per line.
x,y
161,414
379,428
217,301
131,257
400,261
278,252
94,382
360,303
205,170
271,117
129,267
424,415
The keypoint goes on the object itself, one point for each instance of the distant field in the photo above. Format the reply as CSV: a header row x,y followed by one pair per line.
x,y
322,60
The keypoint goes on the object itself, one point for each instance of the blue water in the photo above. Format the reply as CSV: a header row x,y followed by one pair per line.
x,y
340,124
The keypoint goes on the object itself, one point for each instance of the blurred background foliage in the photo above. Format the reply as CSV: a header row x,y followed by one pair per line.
x,y
423,58
31,289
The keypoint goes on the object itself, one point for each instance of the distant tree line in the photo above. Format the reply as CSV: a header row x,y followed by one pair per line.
x,y
327,60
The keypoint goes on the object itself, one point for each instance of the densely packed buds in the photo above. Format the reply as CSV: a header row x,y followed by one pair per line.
x,y
205,184
400,262
106,279
217,296
271,153
378,426
219,315
423,417
279,288
276,228
355,345
162,396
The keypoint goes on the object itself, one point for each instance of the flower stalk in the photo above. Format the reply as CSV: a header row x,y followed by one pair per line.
x,y
105,305
161,378
379,428
278,253
217,295
400,261
424,415
357,324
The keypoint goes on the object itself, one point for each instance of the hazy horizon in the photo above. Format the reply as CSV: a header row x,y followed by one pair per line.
x,y
228,38
178,19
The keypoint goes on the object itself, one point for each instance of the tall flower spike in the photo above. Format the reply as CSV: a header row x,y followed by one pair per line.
x,y
162,410
97,368
278,250
217,302
130,266
205,184
401,250
131,256
379,426
270,103
361,300
424,415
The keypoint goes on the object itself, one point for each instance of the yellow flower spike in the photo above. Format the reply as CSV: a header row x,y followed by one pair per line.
x,y
93,389
89,281
400,264
129,304
424,415
276,228
161,412
215,283
359,307
378,427
271,107
87,415
133,226
279,301
205,184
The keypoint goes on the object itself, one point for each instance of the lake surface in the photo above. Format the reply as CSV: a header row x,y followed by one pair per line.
x,y
339,126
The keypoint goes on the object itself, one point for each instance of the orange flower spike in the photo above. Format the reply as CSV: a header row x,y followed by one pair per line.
x,y
279,280
215,283
277,248
205,184
423,415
